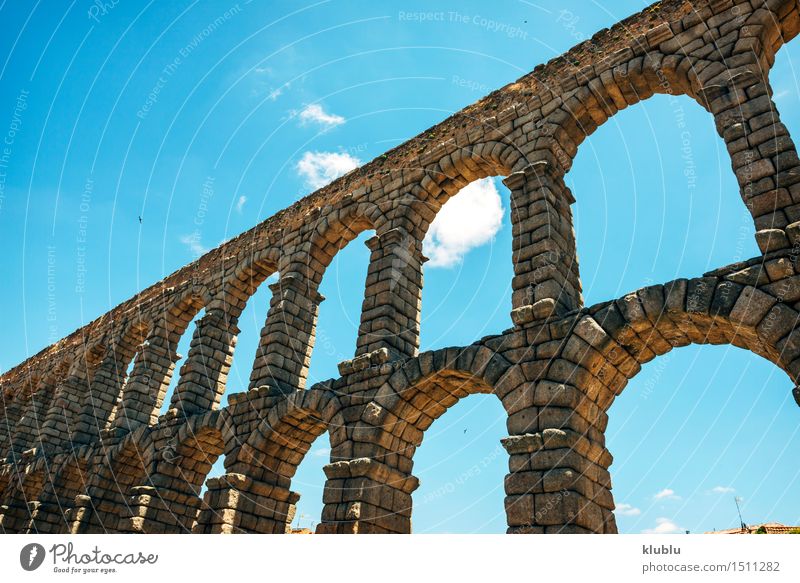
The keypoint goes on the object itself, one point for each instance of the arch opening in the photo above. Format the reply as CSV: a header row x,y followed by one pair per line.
x,y
189,466
251,322
339,318
183,343
670,207
468,275
449,459
263,470
109,508
461,465
721,403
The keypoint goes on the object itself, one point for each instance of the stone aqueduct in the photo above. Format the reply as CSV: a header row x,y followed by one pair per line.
x,y
84,449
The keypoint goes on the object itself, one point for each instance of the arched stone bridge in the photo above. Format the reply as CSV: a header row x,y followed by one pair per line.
x,y
83,446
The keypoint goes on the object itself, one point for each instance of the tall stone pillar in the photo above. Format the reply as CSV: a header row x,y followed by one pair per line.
x,y
235,503
205,372
763,155
103,397
284,351
15,516
558,483
20,500
26,434
546,279
366,496
60,423
49,512
161,509
105,507
390,314
84,519
11,413
169,500
147,384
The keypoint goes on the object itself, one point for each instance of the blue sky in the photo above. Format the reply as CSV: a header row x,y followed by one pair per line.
x,y
134,111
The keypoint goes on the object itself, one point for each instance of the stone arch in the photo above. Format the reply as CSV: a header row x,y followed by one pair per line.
x,y
170,500
176,315
250,273
144,391
280,441
330,230
92,356
288,336
174,322
203,374
772,26
199,445
67,479
390,317
582,111
107,384
451,173
239,288
610,341
107,504
616,338
420,392
62,423
58,372
404,407
261,470
424,190
20,496
543,250
27,431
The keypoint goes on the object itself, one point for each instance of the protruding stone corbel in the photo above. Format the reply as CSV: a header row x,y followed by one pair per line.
x,y
536,311
396,237
374,470
536,173
364,361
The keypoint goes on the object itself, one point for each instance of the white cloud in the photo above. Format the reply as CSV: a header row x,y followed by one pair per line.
x,y
667,494
664,526
193,244
722,490
321,168
627,510
240,203
314,113
322,452
470,219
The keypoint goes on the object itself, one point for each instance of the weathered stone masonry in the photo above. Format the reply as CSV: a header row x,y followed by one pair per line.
x,y
85,450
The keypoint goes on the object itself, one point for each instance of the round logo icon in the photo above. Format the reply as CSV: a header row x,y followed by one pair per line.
x,y
31,556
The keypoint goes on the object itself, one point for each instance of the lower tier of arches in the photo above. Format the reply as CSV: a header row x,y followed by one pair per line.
x,y
555,379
